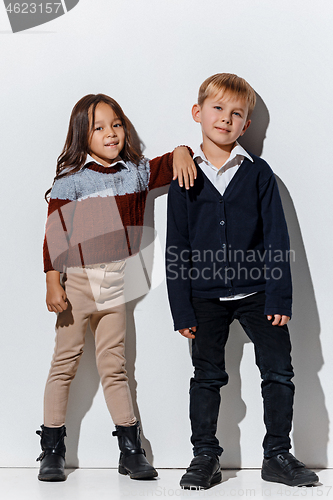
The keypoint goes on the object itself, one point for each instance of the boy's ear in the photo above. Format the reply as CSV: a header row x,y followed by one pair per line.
x,y
246,126
196,113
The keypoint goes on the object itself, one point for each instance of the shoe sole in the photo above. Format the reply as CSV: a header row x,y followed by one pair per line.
x,y
217,478
52,477
277,479
149,474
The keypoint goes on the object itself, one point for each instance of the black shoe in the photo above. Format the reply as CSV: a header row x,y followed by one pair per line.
x,y
52,458
203,472
285,468
132,459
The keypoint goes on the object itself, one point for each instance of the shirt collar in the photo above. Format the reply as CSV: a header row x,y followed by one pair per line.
x,y
90,159
238,150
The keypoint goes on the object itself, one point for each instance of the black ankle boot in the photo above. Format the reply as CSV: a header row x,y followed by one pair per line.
x,y
132,459
52,458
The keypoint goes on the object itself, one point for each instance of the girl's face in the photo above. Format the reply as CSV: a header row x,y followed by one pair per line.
x,y
108,136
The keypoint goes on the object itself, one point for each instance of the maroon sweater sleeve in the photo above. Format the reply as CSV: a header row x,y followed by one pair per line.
x,y
56,236
161,171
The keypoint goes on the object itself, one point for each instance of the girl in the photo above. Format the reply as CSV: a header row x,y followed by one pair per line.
x,y
95,221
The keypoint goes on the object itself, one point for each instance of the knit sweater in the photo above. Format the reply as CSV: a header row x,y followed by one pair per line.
x,y
96,214
219,246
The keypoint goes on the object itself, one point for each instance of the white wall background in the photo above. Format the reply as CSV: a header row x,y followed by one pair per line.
x,y
151,56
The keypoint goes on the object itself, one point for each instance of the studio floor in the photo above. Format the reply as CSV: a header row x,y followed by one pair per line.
x,y
100,484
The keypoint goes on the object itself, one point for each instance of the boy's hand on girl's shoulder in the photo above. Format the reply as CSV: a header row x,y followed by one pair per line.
x,y
279,319
56,298
184,167
188,332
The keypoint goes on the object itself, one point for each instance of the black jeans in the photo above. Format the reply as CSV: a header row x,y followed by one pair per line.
x,y
272,353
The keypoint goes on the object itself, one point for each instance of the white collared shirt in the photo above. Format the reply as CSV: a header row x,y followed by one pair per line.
x,y
90,158
220,178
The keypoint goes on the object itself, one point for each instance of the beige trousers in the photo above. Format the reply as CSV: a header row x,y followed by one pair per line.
x,y
95,297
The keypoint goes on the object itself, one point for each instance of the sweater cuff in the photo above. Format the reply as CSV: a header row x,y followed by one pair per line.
x,y
278,307
185,323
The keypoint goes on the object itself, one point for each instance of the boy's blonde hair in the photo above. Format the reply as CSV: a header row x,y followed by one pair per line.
x,y
230,84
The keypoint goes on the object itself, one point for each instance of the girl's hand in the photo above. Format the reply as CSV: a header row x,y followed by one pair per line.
x,y
184,167
56,298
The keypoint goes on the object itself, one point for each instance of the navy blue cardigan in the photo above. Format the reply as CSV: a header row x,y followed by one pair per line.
x,y
218,246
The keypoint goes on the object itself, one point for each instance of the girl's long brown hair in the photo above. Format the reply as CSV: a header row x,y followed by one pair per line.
x,y
76,147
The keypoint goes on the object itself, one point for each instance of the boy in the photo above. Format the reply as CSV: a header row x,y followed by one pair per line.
x,y
228,258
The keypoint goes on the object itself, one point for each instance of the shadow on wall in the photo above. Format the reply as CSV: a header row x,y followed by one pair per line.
x,y
310,423
146,243
86,383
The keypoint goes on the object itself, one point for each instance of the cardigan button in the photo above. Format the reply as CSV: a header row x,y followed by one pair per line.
x,y
222,222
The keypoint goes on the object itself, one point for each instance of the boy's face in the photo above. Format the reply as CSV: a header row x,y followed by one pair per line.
x,y
223,119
